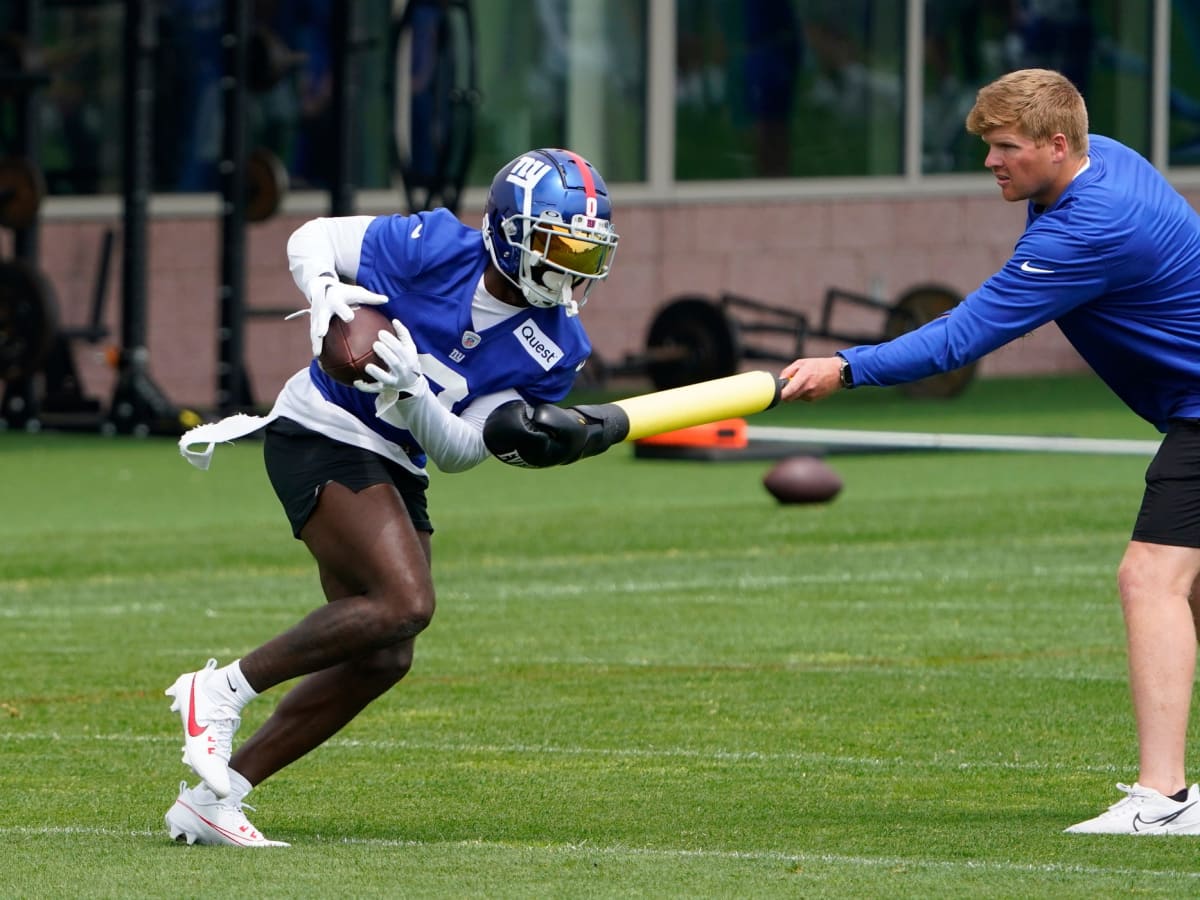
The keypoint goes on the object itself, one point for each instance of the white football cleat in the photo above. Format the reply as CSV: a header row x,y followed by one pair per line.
x,y
1145,811
208,728
196,820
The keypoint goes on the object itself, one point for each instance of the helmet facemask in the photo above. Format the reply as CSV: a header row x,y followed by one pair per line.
x,y
557,256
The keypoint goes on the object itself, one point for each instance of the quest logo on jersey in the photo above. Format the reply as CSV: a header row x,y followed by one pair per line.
x,y
543,350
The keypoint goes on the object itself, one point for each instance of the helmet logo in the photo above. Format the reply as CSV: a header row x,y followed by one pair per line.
x,y
527,172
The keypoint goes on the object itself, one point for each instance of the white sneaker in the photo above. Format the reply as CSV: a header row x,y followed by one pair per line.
x,y
1145,811
208,728
197,820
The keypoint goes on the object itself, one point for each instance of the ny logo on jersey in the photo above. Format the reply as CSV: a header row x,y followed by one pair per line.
x,y
527,172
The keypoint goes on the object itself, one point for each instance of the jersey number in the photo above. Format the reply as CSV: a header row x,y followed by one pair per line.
x,y
453,385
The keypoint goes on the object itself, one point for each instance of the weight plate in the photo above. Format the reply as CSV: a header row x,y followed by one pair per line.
x,y
691,339
916,307
266,183
21,191
28,320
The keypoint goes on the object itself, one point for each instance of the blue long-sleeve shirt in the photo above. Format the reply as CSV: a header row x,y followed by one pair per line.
x,y
1115,262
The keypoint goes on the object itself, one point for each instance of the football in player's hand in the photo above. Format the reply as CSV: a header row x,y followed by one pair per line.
x,y
348,346
802,479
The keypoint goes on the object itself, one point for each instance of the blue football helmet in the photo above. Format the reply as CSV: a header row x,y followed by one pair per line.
x,y
548,228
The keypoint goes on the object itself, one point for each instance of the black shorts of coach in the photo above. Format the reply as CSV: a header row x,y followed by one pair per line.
x,y
300,462
1170,512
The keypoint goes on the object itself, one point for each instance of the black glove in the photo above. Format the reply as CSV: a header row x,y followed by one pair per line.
x,y
548,435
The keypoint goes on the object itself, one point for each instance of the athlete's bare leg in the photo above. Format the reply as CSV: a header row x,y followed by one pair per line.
x,y
375,572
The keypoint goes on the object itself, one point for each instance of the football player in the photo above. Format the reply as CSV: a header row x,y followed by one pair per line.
x,y
482,319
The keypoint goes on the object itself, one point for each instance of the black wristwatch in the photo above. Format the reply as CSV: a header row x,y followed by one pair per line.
x,y
847,376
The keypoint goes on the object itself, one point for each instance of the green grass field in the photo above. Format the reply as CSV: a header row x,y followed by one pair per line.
x,y
644,679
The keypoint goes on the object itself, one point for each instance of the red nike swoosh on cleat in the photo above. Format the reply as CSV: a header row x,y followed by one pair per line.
x,y
193,727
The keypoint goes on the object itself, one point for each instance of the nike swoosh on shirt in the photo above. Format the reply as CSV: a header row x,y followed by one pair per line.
x,y
1027,266
416,232
193,727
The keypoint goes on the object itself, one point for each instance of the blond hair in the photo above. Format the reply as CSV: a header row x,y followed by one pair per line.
x,y
1039,102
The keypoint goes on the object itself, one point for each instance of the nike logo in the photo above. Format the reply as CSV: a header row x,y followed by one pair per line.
x,y
232,686
1027,266
1162,821
416,232
193,727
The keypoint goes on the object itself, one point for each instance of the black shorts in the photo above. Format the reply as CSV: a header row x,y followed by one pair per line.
x,y
300,462
1170,512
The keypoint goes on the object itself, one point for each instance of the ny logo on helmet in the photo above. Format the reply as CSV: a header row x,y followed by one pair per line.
x,y
527,172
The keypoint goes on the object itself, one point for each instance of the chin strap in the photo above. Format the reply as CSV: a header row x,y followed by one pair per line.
x,y
560,282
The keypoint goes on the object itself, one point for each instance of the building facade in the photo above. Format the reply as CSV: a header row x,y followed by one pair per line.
x,y
772,150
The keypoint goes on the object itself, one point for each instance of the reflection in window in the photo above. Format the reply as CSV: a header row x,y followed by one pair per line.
x,y
562,73
763,88
80,47
1184,103
1103,46
187,114
552,73
80,106
770,89
290,96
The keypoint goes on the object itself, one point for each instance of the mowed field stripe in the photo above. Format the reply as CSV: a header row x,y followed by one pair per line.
x,y
846,574
713,755
1035,582
667,853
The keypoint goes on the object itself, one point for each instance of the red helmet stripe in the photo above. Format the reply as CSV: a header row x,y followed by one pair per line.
x,y
589,185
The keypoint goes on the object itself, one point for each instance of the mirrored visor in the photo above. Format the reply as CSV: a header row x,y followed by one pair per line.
x,y
578,255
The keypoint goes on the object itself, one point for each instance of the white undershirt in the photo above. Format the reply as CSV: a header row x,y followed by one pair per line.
x,y
487,310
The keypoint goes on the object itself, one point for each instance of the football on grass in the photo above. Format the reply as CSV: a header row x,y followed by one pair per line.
x,y
802,479
349,346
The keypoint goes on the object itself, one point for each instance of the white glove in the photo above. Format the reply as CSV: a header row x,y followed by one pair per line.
x,y
329,297
402,378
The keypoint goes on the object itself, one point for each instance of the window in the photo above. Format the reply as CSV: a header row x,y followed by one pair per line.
x,y
562,73
791,89
1184,99
1102,46
78,107
785,88
290,96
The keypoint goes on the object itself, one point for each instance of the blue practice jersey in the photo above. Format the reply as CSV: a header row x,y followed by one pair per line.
x,y
1115,262
428,266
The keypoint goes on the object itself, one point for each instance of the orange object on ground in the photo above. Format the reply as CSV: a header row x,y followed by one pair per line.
x,y
730,433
